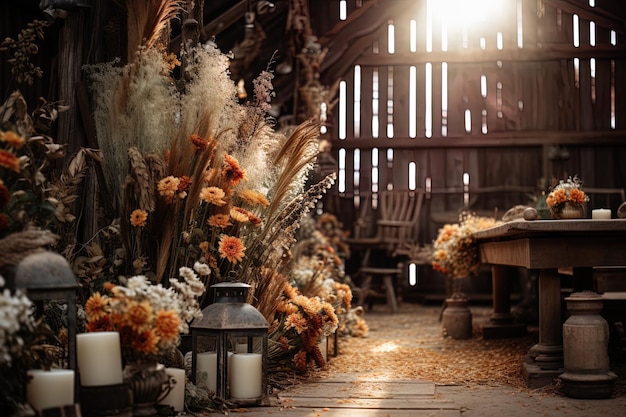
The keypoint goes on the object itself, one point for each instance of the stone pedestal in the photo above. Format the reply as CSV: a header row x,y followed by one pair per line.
x,y
585,349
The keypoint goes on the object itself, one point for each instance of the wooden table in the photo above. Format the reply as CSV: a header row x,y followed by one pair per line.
x,y
548,245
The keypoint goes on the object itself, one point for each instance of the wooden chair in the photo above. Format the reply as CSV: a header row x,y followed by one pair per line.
x,y
397,229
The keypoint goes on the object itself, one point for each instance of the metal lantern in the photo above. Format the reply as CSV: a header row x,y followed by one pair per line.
x,y
47,276
229,343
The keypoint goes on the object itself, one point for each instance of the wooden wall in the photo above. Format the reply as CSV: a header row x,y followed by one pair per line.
x,y
542,116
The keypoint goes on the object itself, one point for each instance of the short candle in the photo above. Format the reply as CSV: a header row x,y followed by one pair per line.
x,y
601,214
50,389
176,397
99,358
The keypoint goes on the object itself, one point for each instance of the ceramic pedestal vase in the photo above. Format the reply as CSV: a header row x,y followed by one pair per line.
x,y
149,383
457,319
568,211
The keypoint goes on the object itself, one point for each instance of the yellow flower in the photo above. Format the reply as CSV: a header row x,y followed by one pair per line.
x,y
219,220
12,139
138,218
231,248
213,195
168,186
238,216
254,198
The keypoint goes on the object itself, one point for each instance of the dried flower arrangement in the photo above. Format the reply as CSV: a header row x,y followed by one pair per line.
x,y
149,318
455,253
566,191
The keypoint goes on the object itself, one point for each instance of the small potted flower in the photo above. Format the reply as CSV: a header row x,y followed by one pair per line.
x,y
455,254
567,200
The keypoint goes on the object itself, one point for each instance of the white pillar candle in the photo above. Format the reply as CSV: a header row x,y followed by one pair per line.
x,y
99,358
601,214
206,362
176,397
246,375
50,389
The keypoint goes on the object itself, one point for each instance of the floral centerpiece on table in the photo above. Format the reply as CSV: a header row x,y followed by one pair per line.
x,y
455,253
149,318
567,193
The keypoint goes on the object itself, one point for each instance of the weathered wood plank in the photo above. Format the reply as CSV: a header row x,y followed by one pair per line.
x,y
370,403
344,412
362,389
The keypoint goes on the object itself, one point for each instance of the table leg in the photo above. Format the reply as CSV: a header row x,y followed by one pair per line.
x,y
501,323
546,357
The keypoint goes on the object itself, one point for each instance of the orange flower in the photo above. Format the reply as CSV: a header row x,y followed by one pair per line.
x,y
138,314
232,171
238,215
167,323
219,220
199,142
138,218
231,248
213,195
184,184
296,321
168,186
243,215
204,246
253,198
576,196
9,160
146,341
12,138
95,307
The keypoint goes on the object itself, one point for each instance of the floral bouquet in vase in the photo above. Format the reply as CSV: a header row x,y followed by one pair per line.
x,y
567,200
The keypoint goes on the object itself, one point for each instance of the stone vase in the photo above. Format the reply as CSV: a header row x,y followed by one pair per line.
x,y
457,318
149,383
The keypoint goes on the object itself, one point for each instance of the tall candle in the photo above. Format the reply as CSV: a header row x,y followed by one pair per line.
x,y
601,214
246,382
50,389
207,362
176,397
99,358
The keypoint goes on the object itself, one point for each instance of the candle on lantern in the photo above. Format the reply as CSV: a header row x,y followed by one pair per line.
x,y
99,358
601,214
176,397
246,372
50,389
